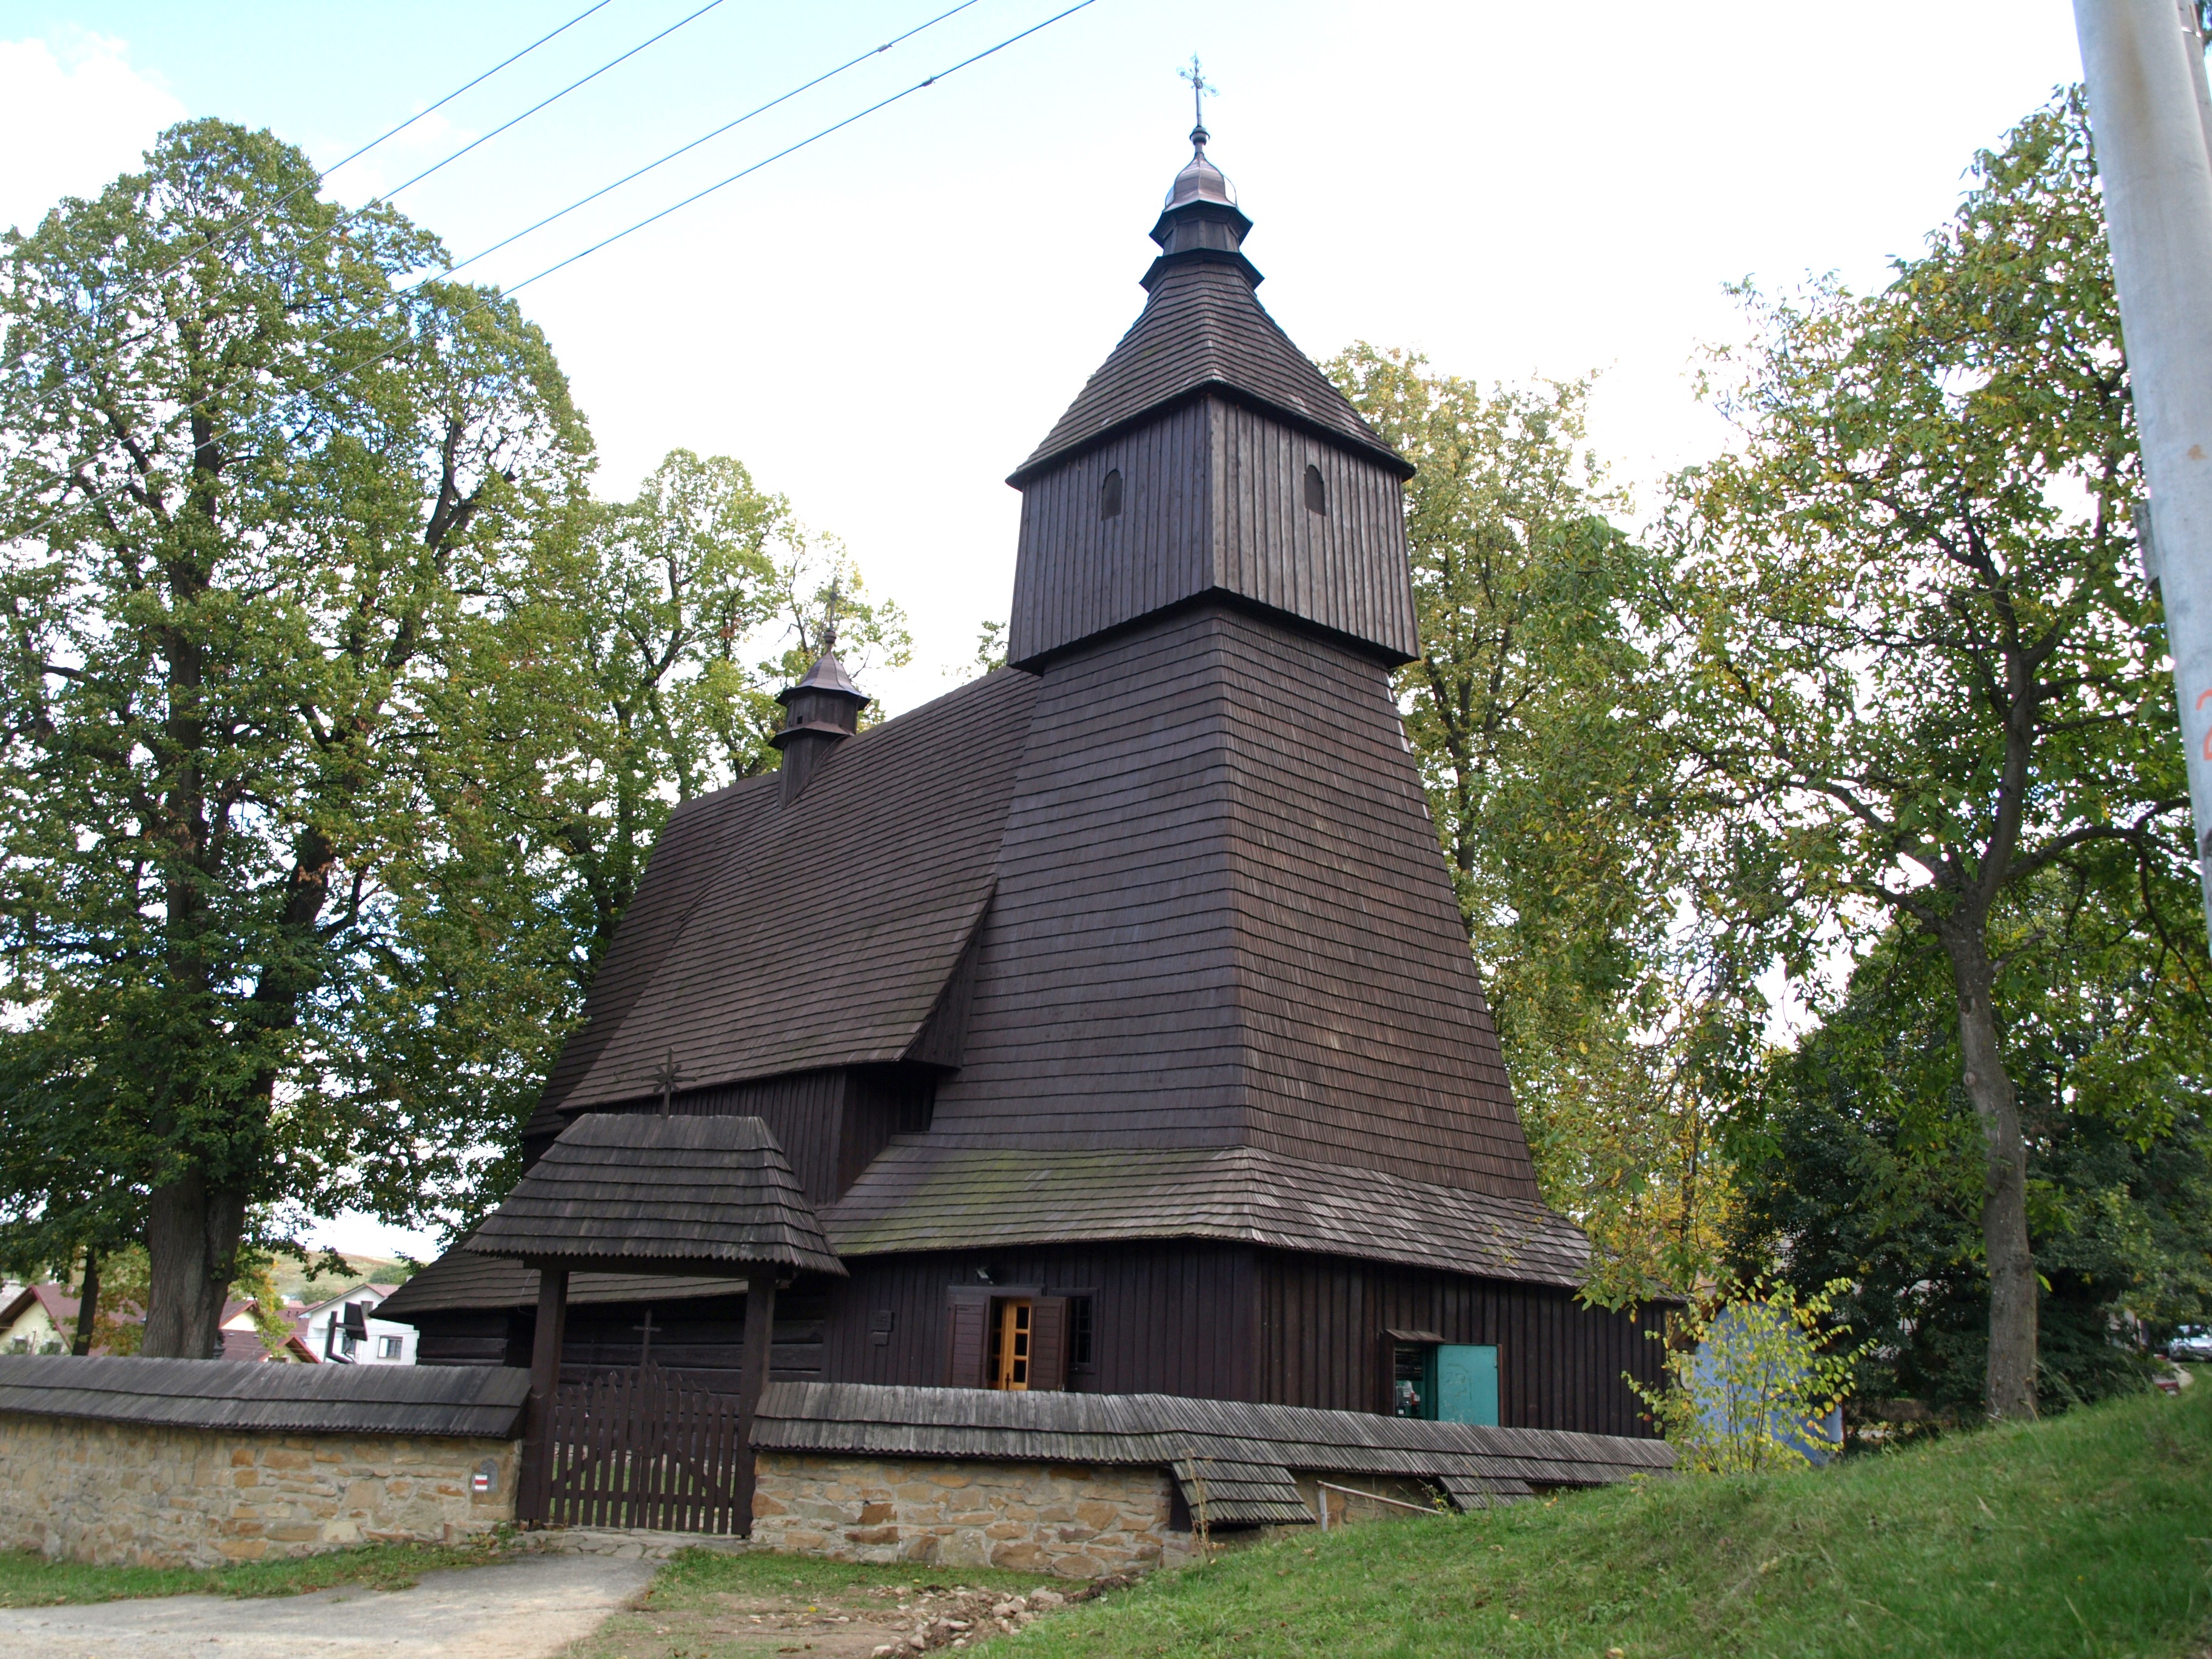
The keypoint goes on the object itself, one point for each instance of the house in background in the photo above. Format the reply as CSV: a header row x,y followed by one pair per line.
x,y
241,1339
37,1319
345,1330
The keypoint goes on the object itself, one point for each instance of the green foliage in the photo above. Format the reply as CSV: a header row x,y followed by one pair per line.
x,y
1748,1387
336,719
1549,798
1866,1163
630,662
1910,665
249,488
991,647
2084,1535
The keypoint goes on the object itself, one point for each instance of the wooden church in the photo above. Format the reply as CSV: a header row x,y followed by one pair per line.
x,y
1113,1013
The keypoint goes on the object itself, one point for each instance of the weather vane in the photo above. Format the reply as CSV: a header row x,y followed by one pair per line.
x,y
830,616
1200,89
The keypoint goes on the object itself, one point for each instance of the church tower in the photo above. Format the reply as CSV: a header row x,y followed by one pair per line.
x,y
1222,917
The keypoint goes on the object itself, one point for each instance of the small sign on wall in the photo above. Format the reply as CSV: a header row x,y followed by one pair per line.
x,y
485,1481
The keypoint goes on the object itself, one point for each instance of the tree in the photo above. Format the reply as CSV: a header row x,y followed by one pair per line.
x,y
1750,1386
1549,801
1911,664
251,488
1867,1164
630,662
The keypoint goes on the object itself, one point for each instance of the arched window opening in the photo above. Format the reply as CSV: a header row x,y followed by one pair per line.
x,y
1110,496
1317,491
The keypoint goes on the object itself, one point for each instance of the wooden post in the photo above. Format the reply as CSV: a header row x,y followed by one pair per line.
x,y
533,1503
760,1355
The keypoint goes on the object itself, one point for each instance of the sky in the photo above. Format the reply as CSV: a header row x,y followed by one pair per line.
x,y
882,325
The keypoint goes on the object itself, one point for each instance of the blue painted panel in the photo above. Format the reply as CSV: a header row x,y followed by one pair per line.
x,y
1467,1384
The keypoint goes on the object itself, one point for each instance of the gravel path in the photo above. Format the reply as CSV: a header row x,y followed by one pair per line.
x,y
517,1610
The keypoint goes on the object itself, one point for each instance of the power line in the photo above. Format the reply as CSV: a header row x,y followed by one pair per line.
x,y
607,241
465,87
543,102
742,172
763,109
247,221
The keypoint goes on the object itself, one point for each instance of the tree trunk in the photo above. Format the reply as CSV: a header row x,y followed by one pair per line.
x,y
193,1230
2009,1386
87,1304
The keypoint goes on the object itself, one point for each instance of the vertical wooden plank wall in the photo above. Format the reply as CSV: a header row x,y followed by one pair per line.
x,y
1077,574
1228,1321
1346,569
1214,497
1560,1365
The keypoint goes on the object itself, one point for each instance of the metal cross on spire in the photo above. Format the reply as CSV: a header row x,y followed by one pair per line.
x,y
1200,89
830,616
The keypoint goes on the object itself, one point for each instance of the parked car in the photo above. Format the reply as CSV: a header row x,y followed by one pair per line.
x,y
2190,1342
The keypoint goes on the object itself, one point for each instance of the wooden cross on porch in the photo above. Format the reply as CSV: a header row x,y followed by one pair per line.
x,y
645,1340
665,1080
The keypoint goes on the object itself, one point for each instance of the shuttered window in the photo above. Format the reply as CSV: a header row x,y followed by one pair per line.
x,y
967,1323
1001,1340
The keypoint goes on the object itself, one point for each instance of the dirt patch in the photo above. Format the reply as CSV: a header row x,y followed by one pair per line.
x,y
858,1621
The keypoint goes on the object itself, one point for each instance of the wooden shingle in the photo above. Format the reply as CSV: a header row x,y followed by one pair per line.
x,y
924,1195
683,1194
1203,330
249,1396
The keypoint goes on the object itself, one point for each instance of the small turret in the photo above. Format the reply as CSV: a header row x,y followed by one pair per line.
x,y
822,710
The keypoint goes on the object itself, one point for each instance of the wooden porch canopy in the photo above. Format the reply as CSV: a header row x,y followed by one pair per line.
x,y
624,1193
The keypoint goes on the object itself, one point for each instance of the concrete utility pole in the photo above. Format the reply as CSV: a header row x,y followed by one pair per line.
x,y
2144,65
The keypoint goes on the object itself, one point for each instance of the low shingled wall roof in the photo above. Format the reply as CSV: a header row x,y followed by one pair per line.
x,y
458,1401
1244,1454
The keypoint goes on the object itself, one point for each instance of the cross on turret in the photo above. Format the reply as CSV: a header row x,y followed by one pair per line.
x,y
1200,89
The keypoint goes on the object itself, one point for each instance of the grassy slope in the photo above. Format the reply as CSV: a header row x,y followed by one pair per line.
x,y
2091,1534
30,1581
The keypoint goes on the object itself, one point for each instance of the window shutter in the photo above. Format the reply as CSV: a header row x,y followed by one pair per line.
x,y
967,1323
1049,1344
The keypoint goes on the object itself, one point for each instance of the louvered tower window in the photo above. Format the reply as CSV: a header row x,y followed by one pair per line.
x,y
1110,496
1316,490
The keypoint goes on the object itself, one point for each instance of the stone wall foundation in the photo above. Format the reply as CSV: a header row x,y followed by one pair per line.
x,y
1077,1520
123,1494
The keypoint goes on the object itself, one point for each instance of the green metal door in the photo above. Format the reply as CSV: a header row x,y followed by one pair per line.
x,y
1467,1384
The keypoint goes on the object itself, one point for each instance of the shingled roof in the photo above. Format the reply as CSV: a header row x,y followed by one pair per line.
x,y
464,1279
921,1195
245,1394
628,1188
1203,329
767,938
1245,1454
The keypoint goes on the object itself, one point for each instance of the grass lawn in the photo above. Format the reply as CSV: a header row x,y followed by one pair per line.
x,y
707,1605
2087,1535
30,1581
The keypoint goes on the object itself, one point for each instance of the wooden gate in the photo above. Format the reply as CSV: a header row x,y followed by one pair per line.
x,y
640,1447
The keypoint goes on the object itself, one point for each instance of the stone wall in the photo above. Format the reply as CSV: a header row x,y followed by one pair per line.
x,y
1081,1522
119,1493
